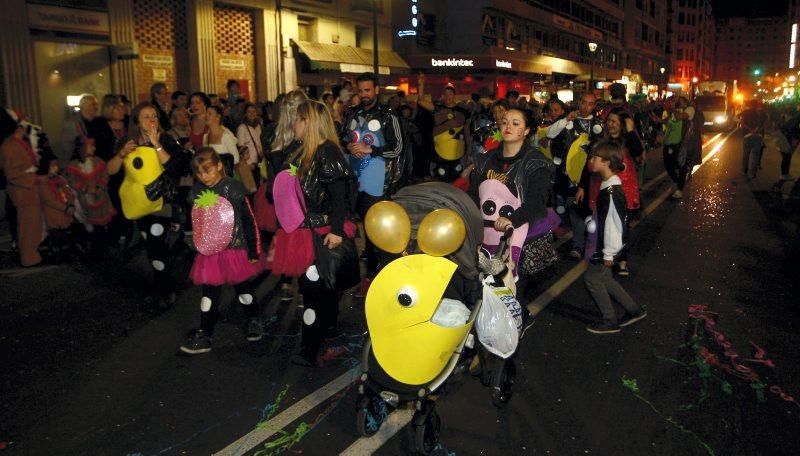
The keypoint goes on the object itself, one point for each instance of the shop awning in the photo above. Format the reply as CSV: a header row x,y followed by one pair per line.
x,y
349,59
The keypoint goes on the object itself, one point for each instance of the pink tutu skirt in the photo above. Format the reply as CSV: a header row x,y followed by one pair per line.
x,y
292,253
228,267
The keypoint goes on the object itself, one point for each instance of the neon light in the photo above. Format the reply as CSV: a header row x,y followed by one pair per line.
x,y
403,33
794,33
792,51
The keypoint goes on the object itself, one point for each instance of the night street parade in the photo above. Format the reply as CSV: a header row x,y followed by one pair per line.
x,y
400,227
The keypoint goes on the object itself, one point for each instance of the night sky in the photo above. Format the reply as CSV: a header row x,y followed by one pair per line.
x,y
727,8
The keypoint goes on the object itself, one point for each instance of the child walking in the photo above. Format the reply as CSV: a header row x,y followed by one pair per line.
x,y
612,235
228,248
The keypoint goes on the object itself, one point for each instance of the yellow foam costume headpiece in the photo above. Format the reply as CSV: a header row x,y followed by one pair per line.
x,y
449,145
404,296
142,167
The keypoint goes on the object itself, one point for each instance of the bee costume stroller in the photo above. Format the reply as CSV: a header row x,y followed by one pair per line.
x,y
421,307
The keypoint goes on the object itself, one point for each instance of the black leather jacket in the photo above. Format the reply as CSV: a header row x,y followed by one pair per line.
x,y
329,189
529,175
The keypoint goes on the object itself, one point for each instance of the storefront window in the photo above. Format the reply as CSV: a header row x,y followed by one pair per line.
x,y
68,69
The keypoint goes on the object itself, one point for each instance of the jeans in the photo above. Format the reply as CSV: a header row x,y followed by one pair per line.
x,y
751,156
602,286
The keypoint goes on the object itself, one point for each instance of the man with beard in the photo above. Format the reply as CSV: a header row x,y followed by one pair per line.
x,y
374,141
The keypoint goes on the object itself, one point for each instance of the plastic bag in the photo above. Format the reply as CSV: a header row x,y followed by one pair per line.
x,y
499,322
451,313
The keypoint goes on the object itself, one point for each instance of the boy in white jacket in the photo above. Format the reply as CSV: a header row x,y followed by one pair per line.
x,y
612,234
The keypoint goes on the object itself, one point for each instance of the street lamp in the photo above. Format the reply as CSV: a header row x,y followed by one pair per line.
x,y
592,49
663,81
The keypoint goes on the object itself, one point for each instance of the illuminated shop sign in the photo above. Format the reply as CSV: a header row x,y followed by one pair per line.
x,y
452,63
414,21
502,64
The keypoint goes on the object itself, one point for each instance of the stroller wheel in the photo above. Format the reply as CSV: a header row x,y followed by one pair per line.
x,y
426,434
370,416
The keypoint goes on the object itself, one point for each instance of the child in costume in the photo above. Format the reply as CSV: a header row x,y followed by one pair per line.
x,y
228,247
58,207
612,234
88,176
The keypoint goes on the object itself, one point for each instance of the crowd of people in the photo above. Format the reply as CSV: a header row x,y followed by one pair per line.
x,y
280,187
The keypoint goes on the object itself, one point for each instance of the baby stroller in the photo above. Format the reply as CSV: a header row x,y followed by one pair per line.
x,y
420,310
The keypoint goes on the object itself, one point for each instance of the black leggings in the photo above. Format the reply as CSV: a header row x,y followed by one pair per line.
x,y
786,162
209,303
321,313
676,172
161,236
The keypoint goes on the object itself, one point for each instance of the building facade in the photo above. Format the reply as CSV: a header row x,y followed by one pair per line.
x,y
55,50
691,42
755,52
528,45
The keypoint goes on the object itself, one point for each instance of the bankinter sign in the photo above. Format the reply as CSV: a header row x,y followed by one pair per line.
x,y
452,63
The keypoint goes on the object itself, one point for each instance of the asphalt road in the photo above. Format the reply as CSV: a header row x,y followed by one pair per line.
x,y
89,368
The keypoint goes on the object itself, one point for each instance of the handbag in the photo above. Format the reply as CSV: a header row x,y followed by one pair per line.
x,y
338,268
537,254
159,188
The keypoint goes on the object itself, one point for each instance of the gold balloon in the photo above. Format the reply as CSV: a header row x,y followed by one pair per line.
x,y
441,232
388,226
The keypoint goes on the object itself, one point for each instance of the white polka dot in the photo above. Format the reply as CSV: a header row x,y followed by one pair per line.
x,y
312,274
158,265
246,299
374,125
205,304
458,167
157,229
591,226
560,209
441,171
557,160
597,129
309,317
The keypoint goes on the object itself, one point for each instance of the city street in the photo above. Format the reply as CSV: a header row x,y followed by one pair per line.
x,y
90,369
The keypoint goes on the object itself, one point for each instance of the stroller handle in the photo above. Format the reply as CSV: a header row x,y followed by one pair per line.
x,y
505,240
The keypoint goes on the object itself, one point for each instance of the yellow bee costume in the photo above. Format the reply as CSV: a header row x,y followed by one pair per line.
x,y
142,168
449,144
576,157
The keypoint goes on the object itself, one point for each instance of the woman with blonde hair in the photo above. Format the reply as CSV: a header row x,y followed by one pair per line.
x,y
330,266
280,147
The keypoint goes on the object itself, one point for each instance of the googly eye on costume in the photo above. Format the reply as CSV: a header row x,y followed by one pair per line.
x,y
407,296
